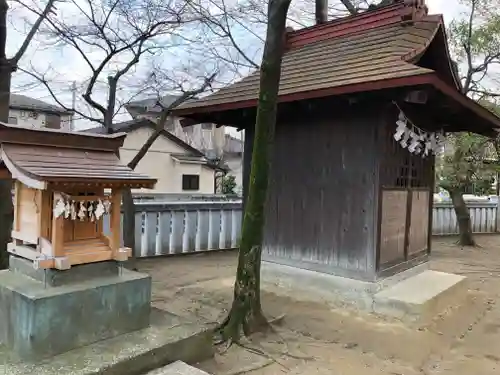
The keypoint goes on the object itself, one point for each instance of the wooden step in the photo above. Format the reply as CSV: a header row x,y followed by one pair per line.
x,y
90,245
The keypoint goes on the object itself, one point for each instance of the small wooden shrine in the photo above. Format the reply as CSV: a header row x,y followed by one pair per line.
x,y
60,180
363,103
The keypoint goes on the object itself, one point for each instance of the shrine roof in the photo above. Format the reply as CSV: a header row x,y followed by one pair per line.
x,y
351,54
392,46
38,159
60,138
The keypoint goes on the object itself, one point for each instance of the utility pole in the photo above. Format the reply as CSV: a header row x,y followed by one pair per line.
x,y
73,105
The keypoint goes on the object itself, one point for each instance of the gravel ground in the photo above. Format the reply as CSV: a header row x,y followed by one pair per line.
x,y
316,339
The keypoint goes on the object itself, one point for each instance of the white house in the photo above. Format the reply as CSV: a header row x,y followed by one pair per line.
x,y
27,111
206,138
178,167
212,141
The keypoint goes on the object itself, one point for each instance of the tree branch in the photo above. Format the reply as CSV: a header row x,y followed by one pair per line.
x,y
349,6
44,82
163,118
34,29
468,50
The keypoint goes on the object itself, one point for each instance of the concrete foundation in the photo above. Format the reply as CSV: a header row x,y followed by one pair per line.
x,y
168,338
413,294
90,303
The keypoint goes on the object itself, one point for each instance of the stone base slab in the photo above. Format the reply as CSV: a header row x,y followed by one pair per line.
x,y
169,338
178,368
53,277
421,296
415,293
37,321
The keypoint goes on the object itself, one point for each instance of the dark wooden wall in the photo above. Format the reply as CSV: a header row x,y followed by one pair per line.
x,y
321,209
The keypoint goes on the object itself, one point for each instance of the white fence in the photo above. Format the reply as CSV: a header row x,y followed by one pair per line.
x,y
186,227
483,217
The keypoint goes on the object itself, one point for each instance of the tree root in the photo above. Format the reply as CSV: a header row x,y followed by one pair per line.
x,y
227,335
267,353
473,245
252,368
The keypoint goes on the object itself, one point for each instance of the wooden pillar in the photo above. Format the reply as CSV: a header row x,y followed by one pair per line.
x,y
17,205
114,221
57,234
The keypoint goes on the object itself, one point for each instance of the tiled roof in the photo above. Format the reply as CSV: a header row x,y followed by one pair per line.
x,y
150,104
55,156
21,102
51,164
374,46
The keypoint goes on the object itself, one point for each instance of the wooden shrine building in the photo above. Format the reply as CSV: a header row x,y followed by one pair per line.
x,y
60,180
363,102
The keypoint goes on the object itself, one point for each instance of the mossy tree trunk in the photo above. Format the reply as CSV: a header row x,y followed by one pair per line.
x,y
246,314
463,218
6,206
128,208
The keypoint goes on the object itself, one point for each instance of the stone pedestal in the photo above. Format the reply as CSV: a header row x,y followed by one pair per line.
x,y
44,313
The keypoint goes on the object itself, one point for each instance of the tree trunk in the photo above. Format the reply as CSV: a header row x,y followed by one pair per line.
x,y
321,11
129,226
6,206
463,219
246,314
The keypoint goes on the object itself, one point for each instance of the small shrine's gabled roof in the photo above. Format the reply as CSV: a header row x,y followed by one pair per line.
x,y
39,158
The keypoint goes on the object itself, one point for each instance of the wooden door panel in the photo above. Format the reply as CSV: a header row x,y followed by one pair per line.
x,y
419,222
393,225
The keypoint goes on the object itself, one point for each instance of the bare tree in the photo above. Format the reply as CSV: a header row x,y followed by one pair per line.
x,y
7,67
246,314
475,41
239,30
128,202
112,38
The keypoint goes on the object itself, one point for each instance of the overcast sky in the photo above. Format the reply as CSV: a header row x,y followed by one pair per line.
x,y
69,67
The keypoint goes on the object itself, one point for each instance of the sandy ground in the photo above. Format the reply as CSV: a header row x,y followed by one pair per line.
x,y
315,338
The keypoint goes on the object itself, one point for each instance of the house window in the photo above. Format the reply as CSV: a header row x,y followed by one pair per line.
x,y
53,121
13,120
206,126
190,182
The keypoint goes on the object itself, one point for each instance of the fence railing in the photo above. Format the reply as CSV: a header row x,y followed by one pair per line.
x,y
185,227
483,218
164,228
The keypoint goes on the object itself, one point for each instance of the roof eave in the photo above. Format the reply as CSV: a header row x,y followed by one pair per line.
x,y
60,138
415,80
467,102
412,80
84,181
41,110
